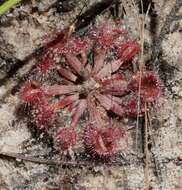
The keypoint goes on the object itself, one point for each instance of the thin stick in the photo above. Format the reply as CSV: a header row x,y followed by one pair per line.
x,y
40,161
157,168
141,67
146,151
137,15
138,111
147,186
86,163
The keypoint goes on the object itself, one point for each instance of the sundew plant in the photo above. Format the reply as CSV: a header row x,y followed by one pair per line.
x,y
83,88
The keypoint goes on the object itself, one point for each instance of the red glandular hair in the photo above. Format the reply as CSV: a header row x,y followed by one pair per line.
x,y
149,84
104,142
66,138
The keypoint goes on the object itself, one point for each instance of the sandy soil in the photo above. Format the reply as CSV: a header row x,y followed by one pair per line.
x,y
21,34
